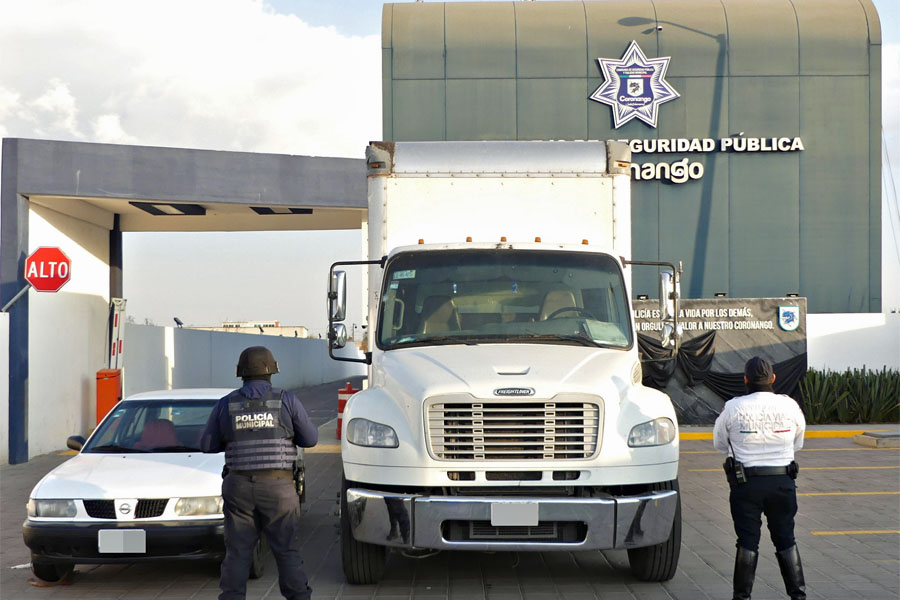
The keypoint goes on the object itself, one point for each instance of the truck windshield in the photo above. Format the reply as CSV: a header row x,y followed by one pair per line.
x,y
503,296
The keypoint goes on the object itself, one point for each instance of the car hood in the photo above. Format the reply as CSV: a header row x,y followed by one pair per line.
x,y
110,476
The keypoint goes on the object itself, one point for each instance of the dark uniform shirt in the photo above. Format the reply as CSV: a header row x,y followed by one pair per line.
x,y
293,415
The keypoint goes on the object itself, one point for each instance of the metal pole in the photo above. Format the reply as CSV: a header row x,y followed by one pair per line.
x,y
15,298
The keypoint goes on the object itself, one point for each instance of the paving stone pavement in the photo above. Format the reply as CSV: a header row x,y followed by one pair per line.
x,y
839,567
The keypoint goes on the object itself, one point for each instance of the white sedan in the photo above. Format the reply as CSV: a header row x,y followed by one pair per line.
x,y
139,489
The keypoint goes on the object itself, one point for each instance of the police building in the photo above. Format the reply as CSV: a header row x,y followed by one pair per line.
x,y
755,137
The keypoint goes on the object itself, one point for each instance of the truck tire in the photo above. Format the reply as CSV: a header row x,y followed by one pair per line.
x,y
659,562
50,571
363,563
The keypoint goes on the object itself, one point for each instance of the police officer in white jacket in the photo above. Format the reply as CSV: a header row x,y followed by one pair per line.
x,y
760,432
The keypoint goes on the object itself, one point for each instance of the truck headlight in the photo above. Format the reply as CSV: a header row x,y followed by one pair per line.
x,y
364,432
652,433
206,505
59,509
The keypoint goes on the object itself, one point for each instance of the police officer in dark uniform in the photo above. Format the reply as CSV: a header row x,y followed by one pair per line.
x,y
760,432
259,427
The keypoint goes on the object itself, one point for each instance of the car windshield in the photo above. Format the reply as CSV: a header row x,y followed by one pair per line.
x,y
503,296
152,426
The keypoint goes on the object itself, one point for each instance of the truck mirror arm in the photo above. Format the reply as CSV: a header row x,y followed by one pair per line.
x,y
673,295
332,295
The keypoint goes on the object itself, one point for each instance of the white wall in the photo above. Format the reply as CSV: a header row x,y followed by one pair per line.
x,y
837,342
145,358
4,388
66,331
208,359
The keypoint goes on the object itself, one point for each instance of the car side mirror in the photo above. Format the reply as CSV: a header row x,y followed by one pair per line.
x,y
75,442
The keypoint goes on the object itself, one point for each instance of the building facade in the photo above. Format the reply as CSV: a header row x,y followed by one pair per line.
x,y
755,126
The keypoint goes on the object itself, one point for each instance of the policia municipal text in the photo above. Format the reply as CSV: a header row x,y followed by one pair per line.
x,y
260,427
760,432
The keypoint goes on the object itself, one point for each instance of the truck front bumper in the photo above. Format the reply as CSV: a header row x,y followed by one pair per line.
x,y
518,523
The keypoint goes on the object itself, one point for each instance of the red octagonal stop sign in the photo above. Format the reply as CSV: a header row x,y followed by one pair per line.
x,y
47,269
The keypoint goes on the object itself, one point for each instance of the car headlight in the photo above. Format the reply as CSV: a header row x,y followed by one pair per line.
x,y
207,505
364,432
59,509
652,433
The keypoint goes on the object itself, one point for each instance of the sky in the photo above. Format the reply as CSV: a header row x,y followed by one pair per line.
x,y
276,76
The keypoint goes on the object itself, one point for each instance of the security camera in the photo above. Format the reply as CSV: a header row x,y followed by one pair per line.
x,y
659,27
179,322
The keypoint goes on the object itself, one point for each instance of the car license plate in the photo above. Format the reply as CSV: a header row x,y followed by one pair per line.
x,y
516,514
122,541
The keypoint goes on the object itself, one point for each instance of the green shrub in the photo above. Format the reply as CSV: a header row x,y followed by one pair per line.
x,y
854,396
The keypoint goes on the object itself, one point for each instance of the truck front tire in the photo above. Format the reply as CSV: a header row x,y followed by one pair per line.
x,y
659,562
363,563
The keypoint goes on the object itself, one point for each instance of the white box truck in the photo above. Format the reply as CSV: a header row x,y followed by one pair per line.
x,y
504,408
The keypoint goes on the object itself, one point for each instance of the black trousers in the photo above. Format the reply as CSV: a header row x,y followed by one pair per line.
x,y
268,505
772,495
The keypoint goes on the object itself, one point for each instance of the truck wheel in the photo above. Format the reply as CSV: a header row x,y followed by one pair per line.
x,y
258,558
363,563
50,571
659,562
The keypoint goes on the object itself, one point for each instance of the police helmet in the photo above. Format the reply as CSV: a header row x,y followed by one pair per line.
x,y
256,361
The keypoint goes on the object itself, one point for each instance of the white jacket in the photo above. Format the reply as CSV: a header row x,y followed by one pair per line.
x,y
765,429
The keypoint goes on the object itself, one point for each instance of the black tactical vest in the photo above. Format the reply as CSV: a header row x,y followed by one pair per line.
x,y
257,438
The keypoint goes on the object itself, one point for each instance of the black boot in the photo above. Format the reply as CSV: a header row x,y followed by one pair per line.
x,y
744,572
792,572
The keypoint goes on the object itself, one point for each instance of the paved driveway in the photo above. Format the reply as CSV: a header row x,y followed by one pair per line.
x,y
847,530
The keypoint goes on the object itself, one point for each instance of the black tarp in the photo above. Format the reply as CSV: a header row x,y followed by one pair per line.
x,y
695,358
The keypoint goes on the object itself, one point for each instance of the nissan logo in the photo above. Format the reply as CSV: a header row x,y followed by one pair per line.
x,y
514,391
125,508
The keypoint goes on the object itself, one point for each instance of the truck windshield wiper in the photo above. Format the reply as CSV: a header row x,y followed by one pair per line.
x,y
436,340
556,337
113,448
174,449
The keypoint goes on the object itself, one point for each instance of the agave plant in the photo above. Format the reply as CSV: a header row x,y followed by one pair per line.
x,y
854,396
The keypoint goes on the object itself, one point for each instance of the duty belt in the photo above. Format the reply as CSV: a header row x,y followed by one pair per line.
x,y
281,473
760,471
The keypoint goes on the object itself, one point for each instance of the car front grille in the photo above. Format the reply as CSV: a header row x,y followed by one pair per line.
x,y
100,509
146,508
556,429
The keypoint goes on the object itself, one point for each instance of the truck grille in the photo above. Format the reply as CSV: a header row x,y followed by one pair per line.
x,y
513,430
483,530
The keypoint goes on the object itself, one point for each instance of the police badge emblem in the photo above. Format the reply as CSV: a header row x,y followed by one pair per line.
x,y
789,317
634,86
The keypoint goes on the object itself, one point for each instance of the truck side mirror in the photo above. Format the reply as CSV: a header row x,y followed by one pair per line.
x,y
337,336
669,292
337,297
75,442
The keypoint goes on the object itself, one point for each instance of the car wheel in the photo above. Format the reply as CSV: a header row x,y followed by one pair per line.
x,y
659,562
363,563
50,571
258,559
